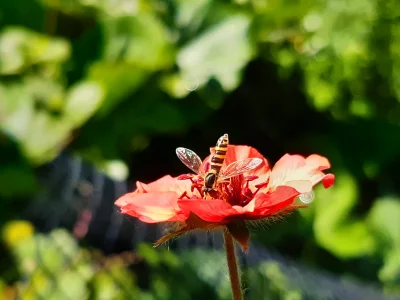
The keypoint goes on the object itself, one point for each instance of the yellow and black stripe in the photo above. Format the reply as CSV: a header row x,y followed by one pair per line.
x,y
216,163
220,153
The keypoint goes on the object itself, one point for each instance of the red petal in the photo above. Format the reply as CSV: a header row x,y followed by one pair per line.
x,y
152,207
164,184
328,180
268,204
298,172
155,202
208,210
241,152
219,211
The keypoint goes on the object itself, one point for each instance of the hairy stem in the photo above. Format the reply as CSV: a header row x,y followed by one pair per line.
x,y
233,267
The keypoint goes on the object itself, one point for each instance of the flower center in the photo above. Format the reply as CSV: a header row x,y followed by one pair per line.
x,y
235,191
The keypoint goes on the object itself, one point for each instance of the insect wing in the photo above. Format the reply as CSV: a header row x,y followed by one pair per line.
x,y
189,158
240,166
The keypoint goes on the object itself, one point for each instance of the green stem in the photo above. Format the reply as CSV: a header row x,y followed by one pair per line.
x,y
233,267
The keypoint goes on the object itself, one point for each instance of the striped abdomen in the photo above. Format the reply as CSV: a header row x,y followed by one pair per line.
x,y
220,153
217,161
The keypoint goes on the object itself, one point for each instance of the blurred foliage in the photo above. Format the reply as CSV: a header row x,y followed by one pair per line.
x,y
278,285
148,274
124,82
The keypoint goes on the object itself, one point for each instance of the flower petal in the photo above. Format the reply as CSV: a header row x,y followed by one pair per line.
x,y
152,207
302,186
268,204
237,152
164,184
208,210
299,172
319,162
155,202
328,180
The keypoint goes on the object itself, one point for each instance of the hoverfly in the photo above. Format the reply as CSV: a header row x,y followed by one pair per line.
x,y
214,175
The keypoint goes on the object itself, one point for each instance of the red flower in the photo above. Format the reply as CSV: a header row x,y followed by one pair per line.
x,y
257,194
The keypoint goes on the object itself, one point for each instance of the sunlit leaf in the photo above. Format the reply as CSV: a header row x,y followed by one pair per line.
x,y
21,48
334,229
221,52
140,40
384,219
117,81
82,101
191,14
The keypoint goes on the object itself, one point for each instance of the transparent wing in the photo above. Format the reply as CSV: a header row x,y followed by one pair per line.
x,y
189,158
239,167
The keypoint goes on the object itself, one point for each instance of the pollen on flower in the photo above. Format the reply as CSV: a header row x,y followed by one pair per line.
x,y
235,191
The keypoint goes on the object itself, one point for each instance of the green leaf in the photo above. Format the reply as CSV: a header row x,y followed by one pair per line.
x,y
21,48
50,252
191,14
70,286
39,115
384,217
221,52
149,254
82,101
384,220
117,80
335,230
101,8
40,133
141,40
390,271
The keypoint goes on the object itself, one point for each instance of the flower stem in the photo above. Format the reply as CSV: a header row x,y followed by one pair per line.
x,y
233,267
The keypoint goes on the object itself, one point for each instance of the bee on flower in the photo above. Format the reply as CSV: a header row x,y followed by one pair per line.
x,y
233,185
210,181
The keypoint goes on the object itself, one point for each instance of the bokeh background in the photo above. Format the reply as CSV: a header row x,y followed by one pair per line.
x,y
95,94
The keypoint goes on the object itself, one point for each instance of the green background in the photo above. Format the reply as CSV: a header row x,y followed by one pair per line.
x,y
123,83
